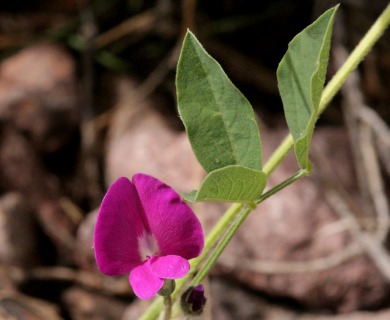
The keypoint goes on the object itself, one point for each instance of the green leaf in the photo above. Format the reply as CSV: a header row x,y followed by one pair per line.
x,y
219,120
232,183
301,76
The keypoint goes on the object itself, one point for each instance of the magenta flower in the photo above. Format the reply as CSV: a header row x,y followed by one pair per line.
x,y
145,229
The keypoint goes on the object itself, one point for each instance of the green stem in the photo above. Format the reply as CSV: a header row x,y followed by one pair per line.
x,y
233,229
167,307
329,92
356,56
210,242
279,154
282,185
154,309
221,246
221,225
334,85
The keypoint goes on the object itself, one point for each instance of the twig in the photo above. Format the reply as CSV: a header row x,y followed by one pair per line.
x,y
74,213
361,133
371,245
340,201
142,22
90,164
381,132
155,78
375,183
287,267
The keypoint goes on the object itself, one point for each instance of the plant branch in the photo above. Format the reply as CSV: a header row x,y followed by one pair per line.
x,y
356,56
329,92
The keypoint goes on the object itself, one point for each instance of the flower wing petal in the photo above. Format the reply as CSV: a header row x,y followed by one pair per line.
x,y
173,223
117,228
170,267
144,282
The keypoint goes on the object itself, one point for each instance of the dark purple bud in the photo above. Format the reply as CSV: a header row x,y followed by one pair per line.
x,y
193,300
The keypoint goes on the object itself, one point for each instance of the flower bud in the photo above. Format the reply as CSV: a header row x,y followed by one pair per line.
x,y
193,300
168,288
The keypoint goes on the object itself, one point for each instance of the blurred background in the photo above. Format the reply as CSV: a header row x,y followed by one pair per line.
x,y
87,94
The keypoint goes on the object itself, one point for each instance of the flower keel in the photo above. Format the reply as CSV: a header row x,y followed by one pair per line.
x,y
144,282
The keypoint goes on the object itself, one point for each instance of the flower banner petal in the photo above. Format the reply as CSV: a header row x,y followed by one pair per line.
x,y
169,267
144,282
117,230
173,223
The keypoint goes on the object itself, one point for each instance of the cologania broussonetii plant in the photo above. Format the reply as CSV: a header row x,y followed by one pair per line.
x,y
146,230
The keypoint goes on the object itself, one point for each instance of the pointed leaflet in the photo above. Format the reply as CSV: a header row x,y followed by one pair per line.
x,y
301,76
219,120
232,184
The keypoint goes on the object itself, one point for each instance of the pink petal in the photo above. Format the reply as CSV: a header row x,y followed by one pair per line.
x,y
173,223
169,267
144,282
117,228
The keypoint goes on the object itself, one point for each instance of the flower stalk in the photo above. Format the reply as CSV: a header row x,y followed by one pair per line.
x,y
167,307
